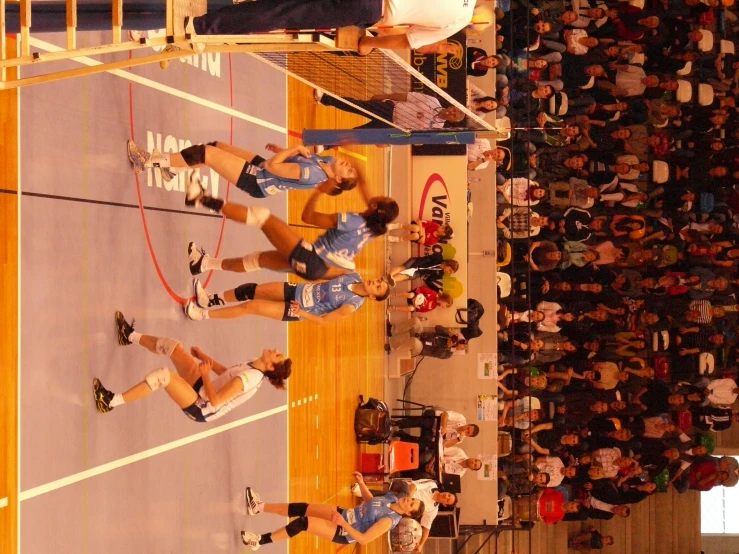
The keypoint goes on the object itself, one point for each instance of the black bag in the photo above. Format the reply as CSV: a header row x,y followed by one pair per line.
x,y
472,331
474,312
372,423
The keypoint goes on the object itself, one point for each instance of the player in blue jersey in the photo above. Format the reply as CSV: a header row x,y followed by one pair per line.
x,y
363,524
320,303
289,168
331,255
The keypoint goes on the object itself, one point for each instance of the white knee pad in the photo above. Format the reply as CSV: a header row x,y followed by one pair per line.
x,y
257,216
165,346
158,378
251,261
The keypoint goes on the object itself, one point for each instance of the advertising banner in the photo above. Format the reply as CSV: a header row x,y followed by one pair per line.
x,y
449,73
439,193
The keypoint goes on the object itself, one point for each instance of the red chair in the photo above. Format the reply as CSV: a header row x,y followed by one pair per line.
x,y
684,420
661,367
402,456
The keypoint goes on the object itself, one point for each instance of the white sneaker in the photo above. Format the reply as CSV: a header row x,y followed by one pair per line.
x,y
156,160
250,539
254,504
197,257
356,491
317,95
202,299
193,312
194,191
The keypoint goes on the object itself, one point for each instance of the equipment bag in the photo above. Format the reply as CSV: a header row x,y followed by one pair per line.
x,y
372,423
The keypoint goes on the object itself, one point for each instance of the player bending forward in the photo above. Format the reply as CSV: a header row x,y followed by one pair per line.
x,y
191,388
363,524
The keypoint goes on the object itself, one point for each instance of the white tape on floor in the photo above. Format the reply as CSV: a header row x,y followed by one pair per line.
x,y
128,460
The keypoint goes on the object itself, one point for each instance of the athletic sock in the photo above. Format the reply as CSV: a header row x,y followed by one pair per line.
x,y
265,539
134,337
212,263
117,399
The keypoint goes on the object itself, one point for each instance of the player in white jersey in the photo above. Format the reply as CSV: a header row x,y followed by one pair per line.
x,y
363,524
191,388
331,255
319,303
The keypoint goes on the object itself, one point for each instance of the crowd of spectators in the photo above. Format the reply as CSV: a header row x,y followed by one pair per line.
x,y
617,229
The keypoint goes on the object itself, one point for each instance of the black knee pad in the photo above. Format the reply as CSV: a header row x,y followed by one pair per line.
x,y
246,292
194,155
297,526
297,509
258,160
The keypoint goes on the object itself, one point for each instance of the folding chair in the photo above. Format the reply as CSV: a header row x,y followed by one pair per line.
x,y
402,456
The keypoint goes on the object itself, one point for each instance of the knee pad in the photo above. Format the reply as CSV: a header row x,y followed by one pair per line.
x,y
245,292
158,378
194,155
251,261
297,526
258,160
297,509
165,346
257,216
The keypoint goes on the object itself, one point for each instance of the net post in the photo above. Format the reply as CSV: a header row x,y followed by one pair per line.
x,y
71,24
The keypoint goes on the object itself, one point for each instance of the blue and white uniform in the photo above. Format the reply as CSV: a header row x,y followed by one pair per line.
x,y
311,174
324,298
202,410
368,513
338,247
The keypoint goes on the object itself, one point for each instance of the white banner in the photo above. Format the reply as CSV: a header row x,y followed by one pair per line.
x,y
439,193
489,469
487,407
487,366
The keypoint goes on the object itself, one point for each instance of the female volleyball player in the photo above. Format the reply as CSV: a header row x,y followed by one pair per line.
x,y
289,168
191,388
331,255
363,524
319,303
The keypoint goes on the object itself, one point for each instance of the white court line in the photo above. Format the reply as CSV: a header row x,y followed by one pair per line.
x,y
43,45
116,464
3,502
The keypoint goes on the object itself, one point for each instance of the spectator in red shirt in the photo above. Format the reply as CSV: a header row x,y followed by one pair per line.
x,y
427,233
421,299
551,506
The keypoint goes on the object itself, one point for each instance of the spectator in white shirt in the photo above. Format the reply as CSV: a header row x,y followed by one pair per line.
x,y
408,110
555,468
427,491
721,392
456,428
456,462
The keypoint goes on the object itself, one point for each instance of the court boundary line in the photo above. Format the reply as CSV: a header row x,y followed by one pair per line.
x,y
167,89
144,455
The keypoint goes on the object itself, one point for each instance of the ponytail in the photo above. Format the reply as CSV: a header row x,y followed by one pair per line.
x,y
383,210
280,373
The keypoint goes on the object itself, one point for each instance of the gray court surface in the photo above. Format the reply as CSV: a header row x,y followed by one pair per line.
x,y
135,480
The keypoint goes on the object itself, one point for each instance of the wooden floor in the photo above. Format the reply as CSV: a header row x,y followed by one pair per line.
x,y
9,315
339,361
